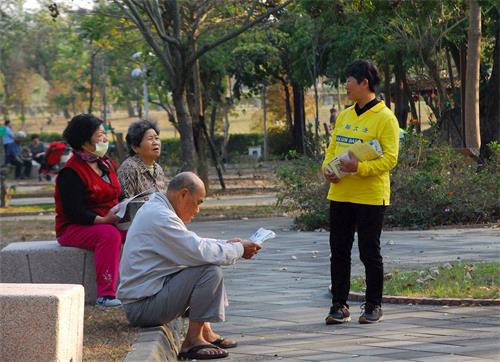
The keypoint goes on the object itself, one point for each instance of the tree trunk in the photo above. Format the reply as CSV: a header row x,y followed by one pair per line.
x,y
472,129
316,106
130,109
225,141
452,78
197,116
387,84
288,107
213,152
434,74
185,129
92,81
200,143
401,105
339,101
264,111
298,115
490,99
139,107
103,93
213,117
463,72
409,96
5,103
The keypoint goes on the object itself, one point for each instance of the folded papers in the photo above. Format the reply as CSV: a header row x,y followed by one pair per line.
x,y
363,151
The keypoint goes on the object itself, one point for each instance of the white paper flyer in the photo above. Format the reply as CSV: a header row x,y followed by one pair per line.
x,y
262,235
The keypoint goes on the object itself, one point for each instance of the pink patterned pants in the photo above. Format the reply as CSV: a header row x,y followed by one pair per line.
x,y
106,242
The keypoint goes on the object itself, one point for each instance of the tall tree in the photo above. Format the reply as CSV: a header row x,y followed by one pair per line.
x,y
472,130
172,28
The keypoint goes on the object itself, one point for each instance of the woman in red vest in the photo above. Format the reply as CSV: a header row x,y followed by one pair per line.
x,y
86,189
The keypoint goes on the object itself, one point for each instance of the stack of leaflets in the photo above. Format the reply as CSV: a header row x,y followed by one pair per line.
x,y
363,151
262,235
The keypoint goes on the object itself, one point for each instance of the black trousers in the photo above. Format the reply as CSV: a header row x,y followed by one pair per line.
x,y
20,165
367,220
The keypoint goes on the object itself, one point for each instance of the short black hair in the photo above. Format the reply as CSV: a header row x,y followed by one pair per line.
x,y
364,69
35,135
136,132
80,130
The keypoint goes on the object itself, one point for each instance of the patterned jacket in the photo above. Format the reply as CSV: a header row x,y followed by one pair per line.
x,y
135,177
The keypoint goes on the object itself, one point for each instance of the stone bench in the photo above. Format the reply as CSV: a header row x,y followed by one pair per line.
x,y
48,262
41,322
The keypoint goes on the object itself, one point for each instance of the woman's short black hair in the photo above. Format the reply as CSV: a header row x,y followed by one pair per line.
x,y
80,130
364,69
136,132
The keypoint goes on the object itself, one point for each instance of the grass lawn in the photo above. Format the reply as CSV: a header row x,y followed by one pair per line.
x,y
243,118
458,280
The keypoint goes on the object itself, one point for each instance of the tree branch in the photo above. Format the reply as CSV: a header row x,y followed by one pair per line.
x,y
200,13
134,15
154,14
207,47
176,18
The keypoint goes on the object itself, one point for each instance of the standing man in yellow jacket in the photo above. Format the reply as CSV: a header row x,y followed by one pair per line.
x,y
358,200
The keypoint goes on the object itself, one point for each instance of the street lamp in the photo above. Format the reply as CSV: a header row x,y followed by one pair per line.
x,y
141,72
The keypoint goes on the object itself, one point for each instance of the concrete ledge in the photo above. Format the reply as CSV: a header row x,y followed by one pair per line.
x,y
360,297
48,262
41,322
158,344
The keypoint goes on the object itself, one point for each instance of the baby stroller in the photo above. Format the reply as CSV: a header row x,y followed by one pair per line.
x,y
56,155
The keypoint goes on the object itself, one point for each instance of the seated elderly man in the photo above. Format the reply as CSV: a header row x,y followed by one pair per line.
x,y
166,269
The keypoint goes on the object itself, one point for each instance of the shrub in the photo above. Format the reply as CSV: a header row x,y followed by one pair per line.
x,y
436,185
279,141
304,190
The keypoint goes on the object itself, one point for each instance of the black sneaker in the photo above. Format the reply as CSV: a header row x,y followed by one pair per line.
x,y
338,314
371,313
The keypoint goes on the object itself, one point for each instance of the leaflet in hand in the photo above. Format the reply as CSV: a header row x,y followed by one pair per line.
x,y
121,208
262,235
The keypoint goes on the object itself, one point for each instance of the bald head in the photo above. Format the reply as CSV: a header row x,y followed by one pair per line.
x,y
186,192
185,180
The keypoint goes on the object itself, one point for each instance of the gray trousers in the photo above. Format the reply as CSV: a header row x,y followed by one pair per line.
x,y
200,288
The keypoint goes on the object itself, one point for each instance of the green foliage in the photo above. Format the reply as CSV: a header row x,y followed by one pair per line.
x,y
304,190
460,280
50,137
435,185
431,185
280,141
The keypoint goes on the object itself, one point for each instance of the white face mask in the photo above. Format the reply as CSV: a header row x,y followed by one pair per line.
x,y
100,149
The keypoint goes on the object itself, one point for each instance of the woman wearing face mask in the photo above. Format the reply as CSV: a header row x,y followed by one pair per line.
x,y
140,172
86,189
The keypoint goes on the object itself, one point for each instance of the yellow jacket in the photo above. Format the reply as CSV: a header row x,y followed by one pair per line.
x,y
371,184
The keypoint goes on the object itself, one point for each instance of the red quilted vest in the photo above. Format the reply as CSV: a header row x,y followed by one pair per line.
x,y
100,195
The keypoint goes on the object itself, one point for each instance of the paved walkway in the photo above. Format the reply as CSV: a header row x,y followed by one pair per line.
x,y
278,301
268,198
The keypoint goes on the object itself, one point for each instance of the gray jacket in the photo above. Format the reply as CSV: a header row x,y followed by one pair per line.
x,y
159,244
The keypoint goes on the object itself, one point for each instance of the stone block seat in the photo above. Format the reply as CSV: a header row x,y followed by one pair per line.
x,y
48,262
41,322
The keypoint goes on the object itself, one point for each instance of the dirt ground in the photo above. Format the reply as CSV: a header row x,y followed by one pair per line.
x,y
107,336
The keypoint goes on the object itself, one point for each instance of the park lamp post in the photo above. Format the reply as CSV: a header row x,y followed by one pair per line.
x,y
141,72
